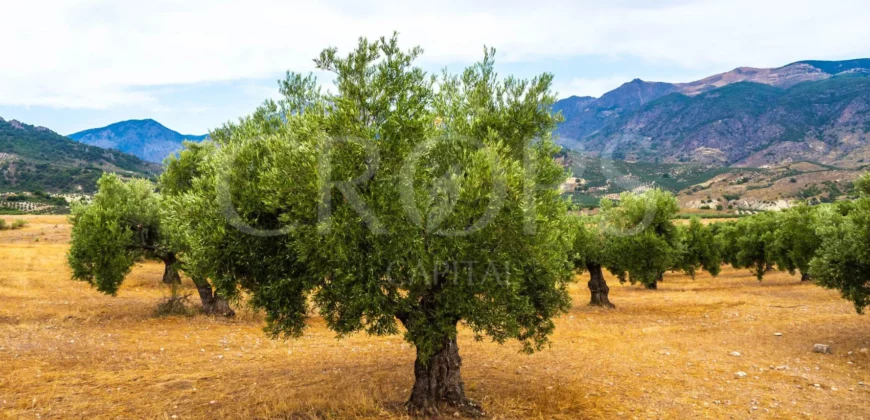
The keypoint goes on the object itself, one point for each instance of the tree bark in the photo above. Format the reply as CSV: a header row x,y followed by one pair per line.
x,y
655,284
598,287
212,304
170,271
438,388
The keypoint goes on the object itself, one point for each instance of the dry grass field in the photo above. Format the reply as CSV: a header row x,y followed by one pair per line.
x,y
67,351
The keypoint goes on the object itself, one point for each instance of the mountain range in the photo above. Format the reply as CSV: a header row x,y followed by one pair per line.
x,y
38,159
808,110
147,139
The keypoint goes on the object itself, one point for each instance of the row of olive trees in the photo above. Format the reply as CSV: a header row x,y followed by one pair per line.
x,y
637,240
828,244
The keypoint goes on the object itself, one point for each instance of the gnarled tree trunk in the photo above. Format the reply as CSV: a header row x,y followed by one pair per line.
x,y
438,388
212,304
170,270
598,287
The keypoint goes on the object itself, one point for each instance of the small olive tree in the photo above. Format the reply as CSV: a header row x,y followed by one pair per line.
x,y
749,242
795,240
642,237
120,226
590,253
401,199
699,249
176,179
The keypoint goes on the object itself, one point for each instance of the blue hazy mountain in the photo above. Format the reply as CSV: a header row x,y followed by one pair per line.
x,y
147,139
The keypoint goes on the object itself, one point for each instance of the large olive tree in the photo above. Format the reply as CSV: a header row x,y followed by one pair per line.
x,y
401,203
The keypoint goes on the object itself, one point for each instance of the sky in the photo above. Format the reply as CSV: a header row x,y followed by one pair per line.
x,y
71,65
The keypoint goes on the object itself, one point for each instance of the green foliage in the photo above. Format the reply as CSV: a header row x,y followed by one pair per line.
x,y
272,213
110,234
16,224
699,249
795,240
810,191
590,242
842,262
641,235
748,242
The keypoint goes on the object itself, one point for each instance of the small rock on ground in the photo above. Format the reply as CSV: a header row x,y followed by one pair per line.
x,y
821,348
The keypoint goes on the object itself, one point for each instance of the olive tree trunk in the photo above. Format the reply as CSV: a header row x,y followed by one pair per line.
x,y
438,388
598,287
212,304
170,270
655,284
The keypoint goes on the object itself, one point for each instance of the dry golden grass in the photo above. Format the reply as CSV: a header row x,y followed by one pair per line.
x,y
68,352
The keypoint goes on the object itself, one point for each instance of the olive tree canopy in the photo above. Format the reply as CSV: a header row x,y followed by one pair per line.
x,y
401,199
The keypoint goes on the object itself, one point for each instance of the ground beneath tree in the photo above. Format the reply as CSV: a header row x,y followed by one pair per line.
x,y
68,352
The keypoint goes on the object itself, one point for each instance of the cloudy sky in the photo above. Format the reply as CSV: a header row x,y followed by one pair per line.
x,y
72,65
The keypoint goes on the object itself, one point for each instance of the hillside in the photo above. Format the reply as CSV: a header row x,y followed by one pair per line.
x,y
749,124
36,158
809,110
707,186
146,139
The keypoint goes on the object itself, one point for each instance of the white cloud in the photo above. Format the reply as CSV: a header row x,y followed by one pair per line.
x,y
590,87
98,53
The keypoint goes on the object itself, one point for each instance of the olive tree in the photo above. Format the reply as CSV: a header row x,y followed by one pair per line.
x,y
699,249
749,243
795,240
401,203
842,262
590,253
120,226
642,236
176,179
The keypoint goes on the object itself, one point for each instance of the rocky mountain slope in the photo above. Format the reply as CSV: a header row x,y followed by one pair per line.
x,y
810,110
38,159
146,139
